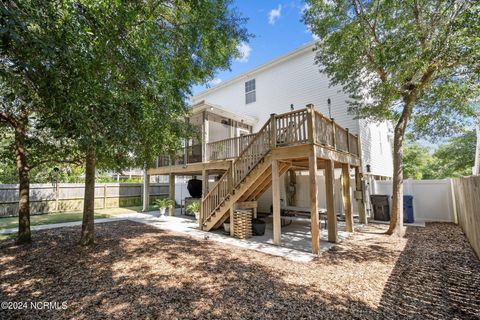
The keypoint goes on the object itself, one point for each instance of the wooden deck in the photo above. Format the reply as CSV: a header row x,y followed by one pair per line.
x,y
299,140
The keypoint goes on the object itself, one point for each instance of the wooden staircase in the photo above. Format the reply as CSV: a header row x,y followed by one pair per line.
x,y
250,174
250,189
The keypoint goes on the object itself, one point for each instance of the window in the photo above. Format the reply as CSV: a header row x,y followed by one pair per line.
x,y
250,91
381,142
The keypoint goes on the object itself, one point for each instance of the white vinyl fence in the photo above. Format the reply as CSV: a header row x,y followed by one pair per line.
x,y
432,199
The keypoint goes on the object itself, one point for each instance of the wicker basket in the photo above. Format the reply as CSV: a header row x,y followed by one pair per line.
x,y
242,224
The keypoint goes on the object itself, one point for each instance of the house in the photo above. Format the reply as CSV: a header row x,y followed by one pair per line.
x,y
279,137
294,79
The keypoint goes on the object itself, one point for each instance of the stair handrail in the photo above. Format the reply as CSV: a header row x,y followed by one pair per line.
x,y
209,205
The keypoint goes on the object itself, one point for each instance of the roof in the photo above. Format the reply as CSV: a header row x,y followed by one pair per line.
x,y
215,109
260,68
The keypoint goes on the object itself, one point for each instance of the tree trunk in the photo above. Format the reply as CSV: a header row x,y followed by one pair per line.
x,y
396,218
89,199
24,234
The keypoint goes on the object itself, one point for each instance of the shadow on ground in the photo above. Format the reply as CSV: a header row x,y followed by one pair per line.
x,y
136,271
436,276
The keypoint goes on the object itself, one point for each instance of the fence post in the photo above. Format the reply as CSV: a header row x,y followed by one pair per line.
x,y
454,203
57,194
105,196
273,131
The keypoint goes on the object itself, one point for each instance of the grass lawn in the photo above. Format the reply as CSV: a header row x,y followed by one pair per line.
x,y
7,236
136,271
35,220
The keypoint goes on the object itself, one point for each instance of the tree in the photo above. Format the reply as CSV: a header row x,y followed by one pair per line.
x,y
456,157
28,40
413,62
138,60
416,160
110,76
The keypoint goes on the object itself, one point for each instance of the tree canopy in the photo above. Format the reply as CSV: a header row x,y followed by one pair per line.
x,y
113,77
414,62
454,158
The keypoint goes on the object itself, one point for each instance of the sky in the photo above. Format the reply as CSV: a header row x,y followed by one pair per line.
x,y
276,30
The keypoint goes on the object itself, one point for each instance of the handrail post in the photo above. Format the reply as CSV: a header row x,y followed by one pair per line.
x,y
348,140
231,179
273,131
311,123
359,144
334,138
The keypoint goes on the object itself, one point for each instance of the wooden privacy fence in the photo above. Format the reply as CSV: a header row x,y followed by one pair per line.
x,y
69,196
467,204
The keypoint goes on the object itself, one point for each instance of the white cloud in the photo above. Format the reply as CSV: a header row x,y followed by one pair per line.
x,y
244,49
274,14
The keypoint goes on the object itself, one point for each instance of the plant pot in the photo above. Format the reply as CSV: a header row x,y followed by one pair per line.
x,y
197,215
226,227
258,227
162,211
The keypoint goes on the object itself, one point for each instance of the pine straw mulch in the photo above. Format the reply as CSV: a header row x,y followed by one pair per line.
x,y
137,271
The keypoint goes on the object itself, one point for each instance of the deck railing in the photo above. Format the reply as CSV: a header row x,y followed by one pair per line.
x,y
331,134
184,155
353,144
323,130
341,138
290,128
228,148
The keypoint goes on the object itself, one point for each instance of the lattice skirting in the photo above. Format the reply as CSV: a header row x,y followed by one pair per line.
x,y
242,224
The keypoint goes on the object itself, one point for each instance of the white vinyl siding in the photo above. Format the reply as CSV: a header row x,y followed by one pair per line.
x,y
375,151
295,81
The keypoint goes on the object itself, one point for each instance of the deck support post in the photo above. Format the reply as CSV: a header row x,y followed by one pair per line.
x,y
171,193
359,196
329,191
276,203
347,197
232,233
204,192
314,223
204,182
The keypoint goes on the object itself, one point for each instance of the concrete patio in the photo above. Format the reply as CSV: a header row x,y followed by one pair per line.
x,y
296,242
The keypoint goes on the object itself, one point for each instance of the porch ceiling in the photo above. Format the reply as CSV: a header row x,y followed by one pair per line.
x,y
218,110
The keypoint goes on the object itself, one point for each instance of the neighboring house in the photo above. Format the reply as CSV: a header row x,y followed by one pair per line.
x,y
264,133
295,79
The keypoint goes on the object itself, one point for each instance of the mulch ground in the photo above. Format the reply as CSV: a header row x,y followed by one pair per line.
x,y
137,271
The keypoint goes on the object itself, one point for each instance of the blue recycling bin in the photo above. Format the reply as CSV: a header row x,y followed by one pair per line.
x,y
408,209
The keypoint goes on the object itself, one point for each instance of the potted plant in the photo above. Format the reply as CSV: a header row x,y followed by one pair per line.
x,y
163,204
194,208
